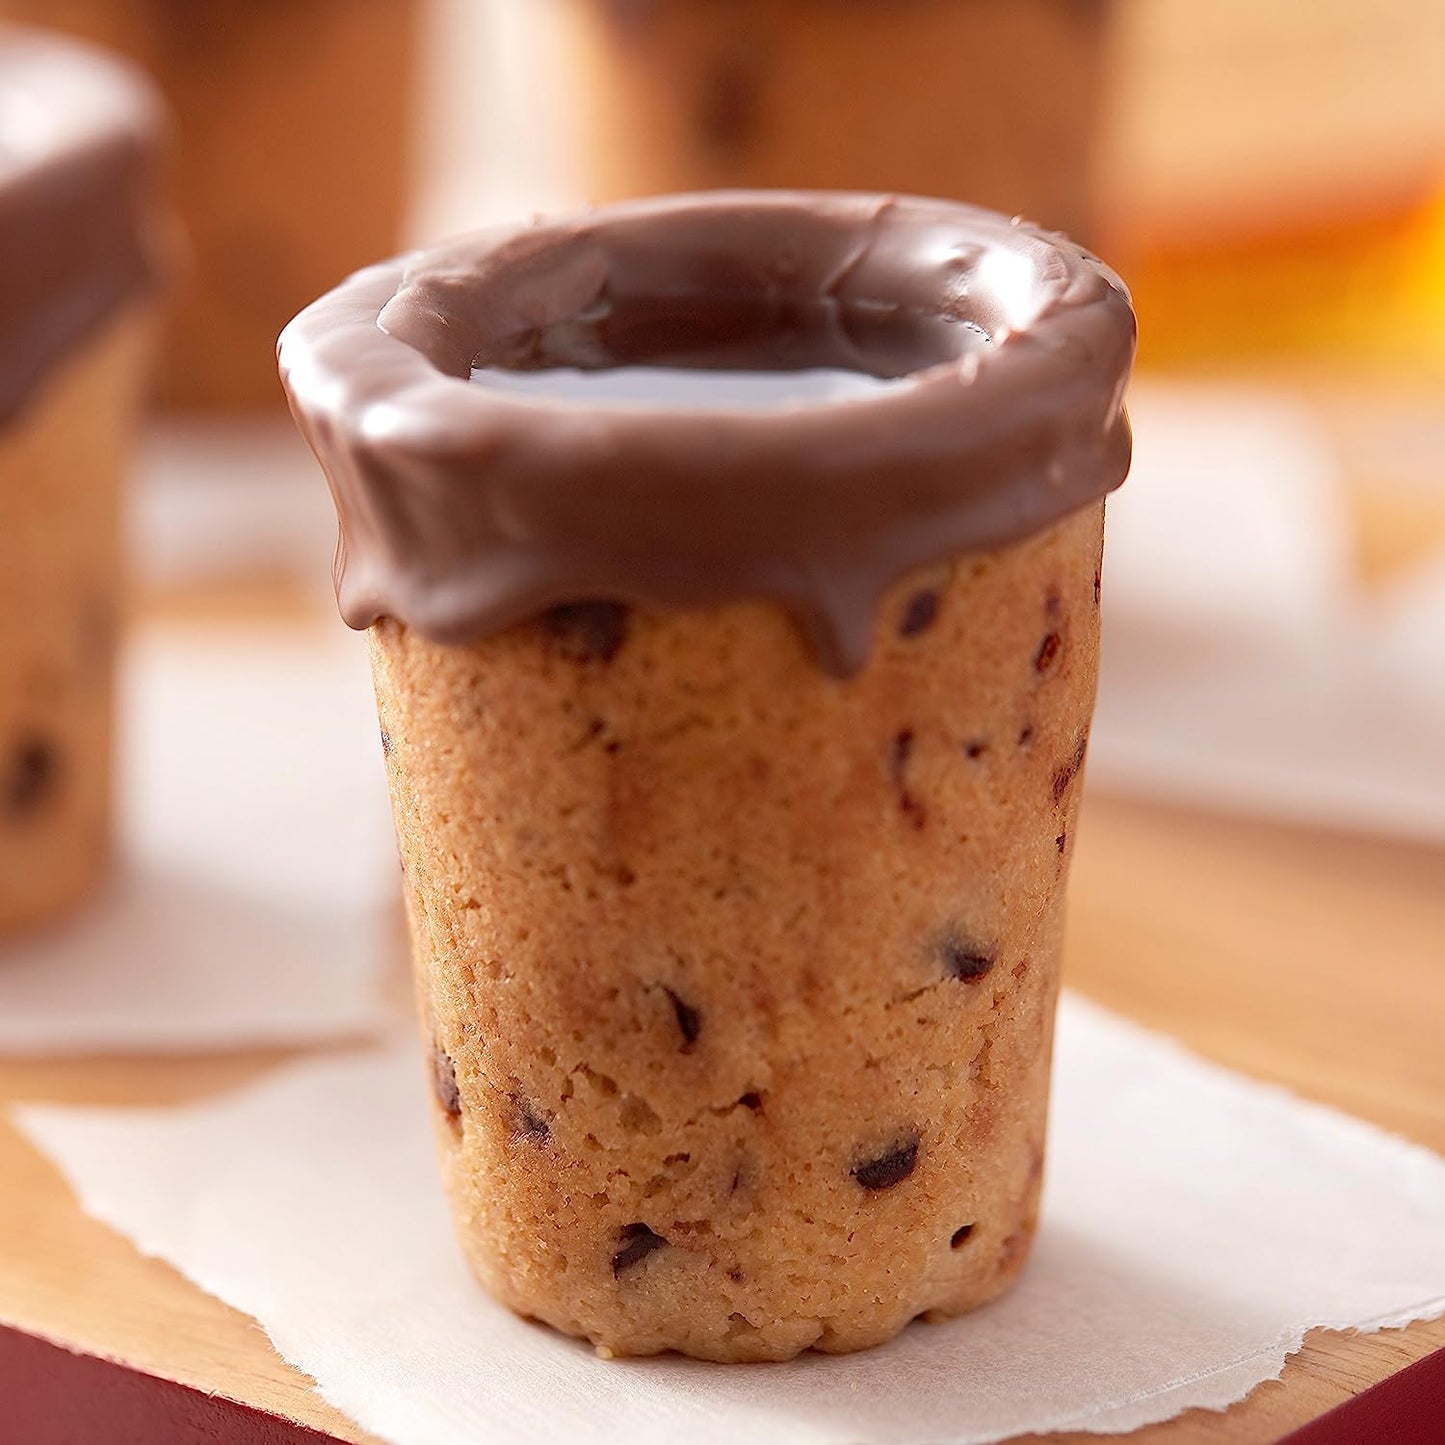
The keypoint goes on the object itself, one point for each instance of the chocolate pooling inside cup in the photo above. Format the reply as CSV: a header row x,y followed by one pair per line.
x,y
80,134
661,387
467,507
721,352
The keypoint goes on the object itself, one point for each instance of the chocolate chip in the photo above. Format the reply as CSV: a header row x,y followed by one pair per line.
x,y
587,631
1014,1250
1070,770
735,1274
636,1242
920,614
965,961
975,749
632,14
727,102
1026,735
888,1169
1036,1167
31,778
1048,652
98,632
1084,13
528,1122
960,1236
444,1083
751,1100
1061,842
898,756
385,743
689,1020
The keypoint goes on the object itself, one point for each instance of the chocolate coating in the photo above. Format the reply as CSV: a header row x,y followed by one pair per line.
x,y
465,509
80,135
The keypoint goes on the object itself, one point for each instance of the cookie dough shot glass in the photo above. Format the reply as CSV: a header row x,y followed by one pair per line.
x,y
80,258
731,570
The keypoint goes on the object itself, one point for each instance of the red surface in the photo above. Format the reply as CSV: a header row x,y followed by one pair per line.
x,y
1406,1409
50,1396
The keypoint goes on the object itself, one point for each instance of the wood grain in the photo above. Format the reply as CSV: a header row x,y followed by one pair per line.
x,y
1313,960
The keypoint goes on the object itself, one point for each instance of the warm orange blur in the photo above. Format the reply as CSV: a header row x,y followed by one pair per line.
x,y
1275,186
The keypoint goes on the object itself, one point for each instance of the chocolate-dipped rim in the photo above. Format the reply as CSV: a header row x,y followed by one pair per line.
x,y
464,509
80,134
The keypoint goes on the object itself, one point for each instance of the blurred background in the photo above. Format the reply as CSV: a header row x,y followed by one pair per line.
x,y
1261,868
1269,176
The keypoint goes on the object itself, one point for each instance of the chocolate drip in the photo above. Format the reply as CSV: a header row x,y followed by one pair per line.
x,y
464,509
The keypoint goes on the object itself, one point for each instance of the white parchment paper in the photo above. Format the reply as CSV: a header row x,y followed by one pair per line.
x,y
1195,1225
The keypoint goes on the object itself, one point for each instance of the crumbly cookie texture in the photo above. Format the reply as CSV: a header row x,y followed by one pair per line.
x,y
738,980
60,469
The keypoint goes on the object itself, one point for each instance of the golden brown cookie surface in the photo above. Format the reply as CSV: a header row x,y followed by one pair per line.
x,y
738,978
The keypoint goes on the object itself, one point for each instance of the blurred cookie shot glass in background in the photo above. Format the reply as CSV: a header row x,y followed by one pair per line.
x,y
291,163
84,244
995,102
735,740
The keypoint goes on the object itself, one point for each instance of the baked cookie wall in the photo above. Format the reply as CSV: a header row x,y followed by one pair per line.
x,y
739,980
